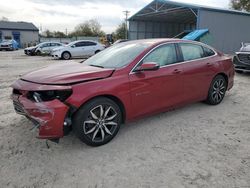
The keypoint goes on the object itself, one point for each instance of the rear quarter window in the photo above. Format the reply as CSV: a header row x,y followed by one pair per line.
x,y
191,51
208,52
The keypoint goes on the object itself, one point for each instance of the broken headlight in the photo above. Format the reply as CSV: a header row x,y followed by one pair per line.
x,y
43,96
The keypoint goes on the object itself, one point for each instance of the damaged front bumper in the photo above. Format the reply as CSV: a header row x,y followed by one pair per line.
x,y
49,117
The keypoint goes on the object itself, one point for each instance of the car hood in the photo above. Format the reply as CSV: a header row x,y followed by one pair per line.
x,y
67,73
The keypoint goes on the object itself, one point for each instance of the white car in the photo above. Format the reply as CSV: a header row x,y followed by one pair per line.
x,y
80,48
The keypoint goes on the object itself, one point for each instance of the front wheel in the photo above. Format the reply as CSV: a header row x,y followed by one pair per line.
x,y
38,53
66,56
98,121
217,90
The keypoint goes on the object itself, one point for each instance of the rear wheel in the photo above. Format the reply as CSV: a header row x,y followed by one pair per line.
x,y
239,71
217,90
66,55
98,121
97,51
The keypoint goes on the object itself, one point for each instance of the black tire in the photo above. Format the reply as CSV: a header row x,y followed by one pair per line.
x,y
239,71
98,121
38,53
97,51
217,90
66,55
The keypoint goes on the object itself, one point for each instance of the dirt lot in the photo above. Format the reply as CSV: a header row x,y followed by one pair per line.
x,y
195,146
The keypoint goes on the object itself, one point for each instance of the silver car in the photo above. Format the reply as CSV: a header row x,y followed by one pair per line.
x,y
242,59
42,48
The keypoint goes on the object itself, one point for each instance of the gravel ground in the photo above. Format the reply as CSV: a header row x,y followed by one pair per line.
x,y
195,146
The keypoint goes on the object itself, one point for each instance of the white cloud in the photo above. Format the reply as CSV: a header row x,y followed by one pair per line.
x,y
59,15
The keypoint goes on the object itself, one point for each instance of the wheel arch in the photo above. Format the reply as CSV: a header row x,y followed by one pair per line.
x,y
224,75
113,98
64,52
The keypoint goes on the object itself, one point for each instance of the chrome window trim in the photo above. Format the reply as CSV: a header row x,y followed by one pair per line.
x,y
183,62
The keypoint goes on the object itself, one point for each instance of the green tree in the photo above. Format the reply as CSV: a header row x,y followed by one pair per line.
x,y
91,28
243,5
120,32
59,34
47,33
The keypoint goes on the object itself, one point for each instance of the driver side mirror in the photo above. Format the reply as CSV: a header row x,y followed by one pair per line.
x,y
73,46
148,66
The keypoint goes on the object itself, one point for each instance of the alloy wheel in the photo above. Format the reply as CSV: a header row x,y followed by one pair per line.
x,y
219,89
66,55
101,123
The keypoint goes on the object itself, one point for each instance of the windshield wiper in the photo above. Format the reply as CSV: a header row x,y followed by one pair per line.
x,y
97,66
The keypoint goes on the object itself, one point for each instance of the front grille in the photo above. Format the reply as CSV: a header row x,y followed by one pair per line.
x,y
244,58
4,46
18,108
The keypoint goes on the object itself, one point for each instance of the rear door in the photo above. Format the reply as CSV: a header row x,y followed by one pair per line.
x,y
198,70
90,48
52,46
152,91
45,47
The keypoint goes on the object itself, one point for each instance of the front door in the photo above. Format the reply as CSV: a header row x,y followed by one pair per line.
x,y
79,50
90,48
153,91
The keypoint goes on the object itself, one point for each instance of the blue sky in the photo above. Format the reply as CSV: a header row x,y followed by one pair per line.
x,y
66,14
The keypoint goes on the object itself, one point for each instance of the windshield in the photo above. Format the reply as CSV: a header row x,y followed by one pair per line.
x,y
118,55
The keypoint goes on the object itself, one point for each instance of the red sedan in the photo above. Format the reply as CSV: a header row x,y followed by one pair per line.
x,y
124,82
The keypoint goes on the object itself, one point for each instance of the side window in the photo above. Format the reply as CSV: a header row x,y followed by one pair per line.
x,y
191,51
52,44
208,52
45,45
90,43
163,55
79,44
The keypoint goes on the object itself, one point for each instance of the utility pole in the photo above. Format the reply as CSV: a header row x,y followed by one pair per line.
x,y
126,12
41,28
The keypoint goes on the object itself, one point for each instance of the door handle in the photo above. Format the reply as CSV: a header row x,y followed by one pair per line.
x,y
177,71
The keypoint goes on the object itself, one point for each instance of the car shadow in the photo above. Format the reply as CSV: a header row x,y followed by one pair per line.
x,y
243,74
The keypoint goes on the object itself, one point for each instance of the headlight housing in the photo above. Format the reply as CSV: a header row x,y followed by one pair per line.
x,y
43,96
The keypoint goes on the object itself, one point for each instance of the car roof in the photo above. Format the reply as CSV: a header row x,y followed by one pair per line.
x,y
158,41
85,41
49,42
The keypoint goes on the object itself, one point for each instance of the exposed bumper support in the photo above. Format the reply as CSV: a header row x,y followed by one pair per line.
x,y
48,117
